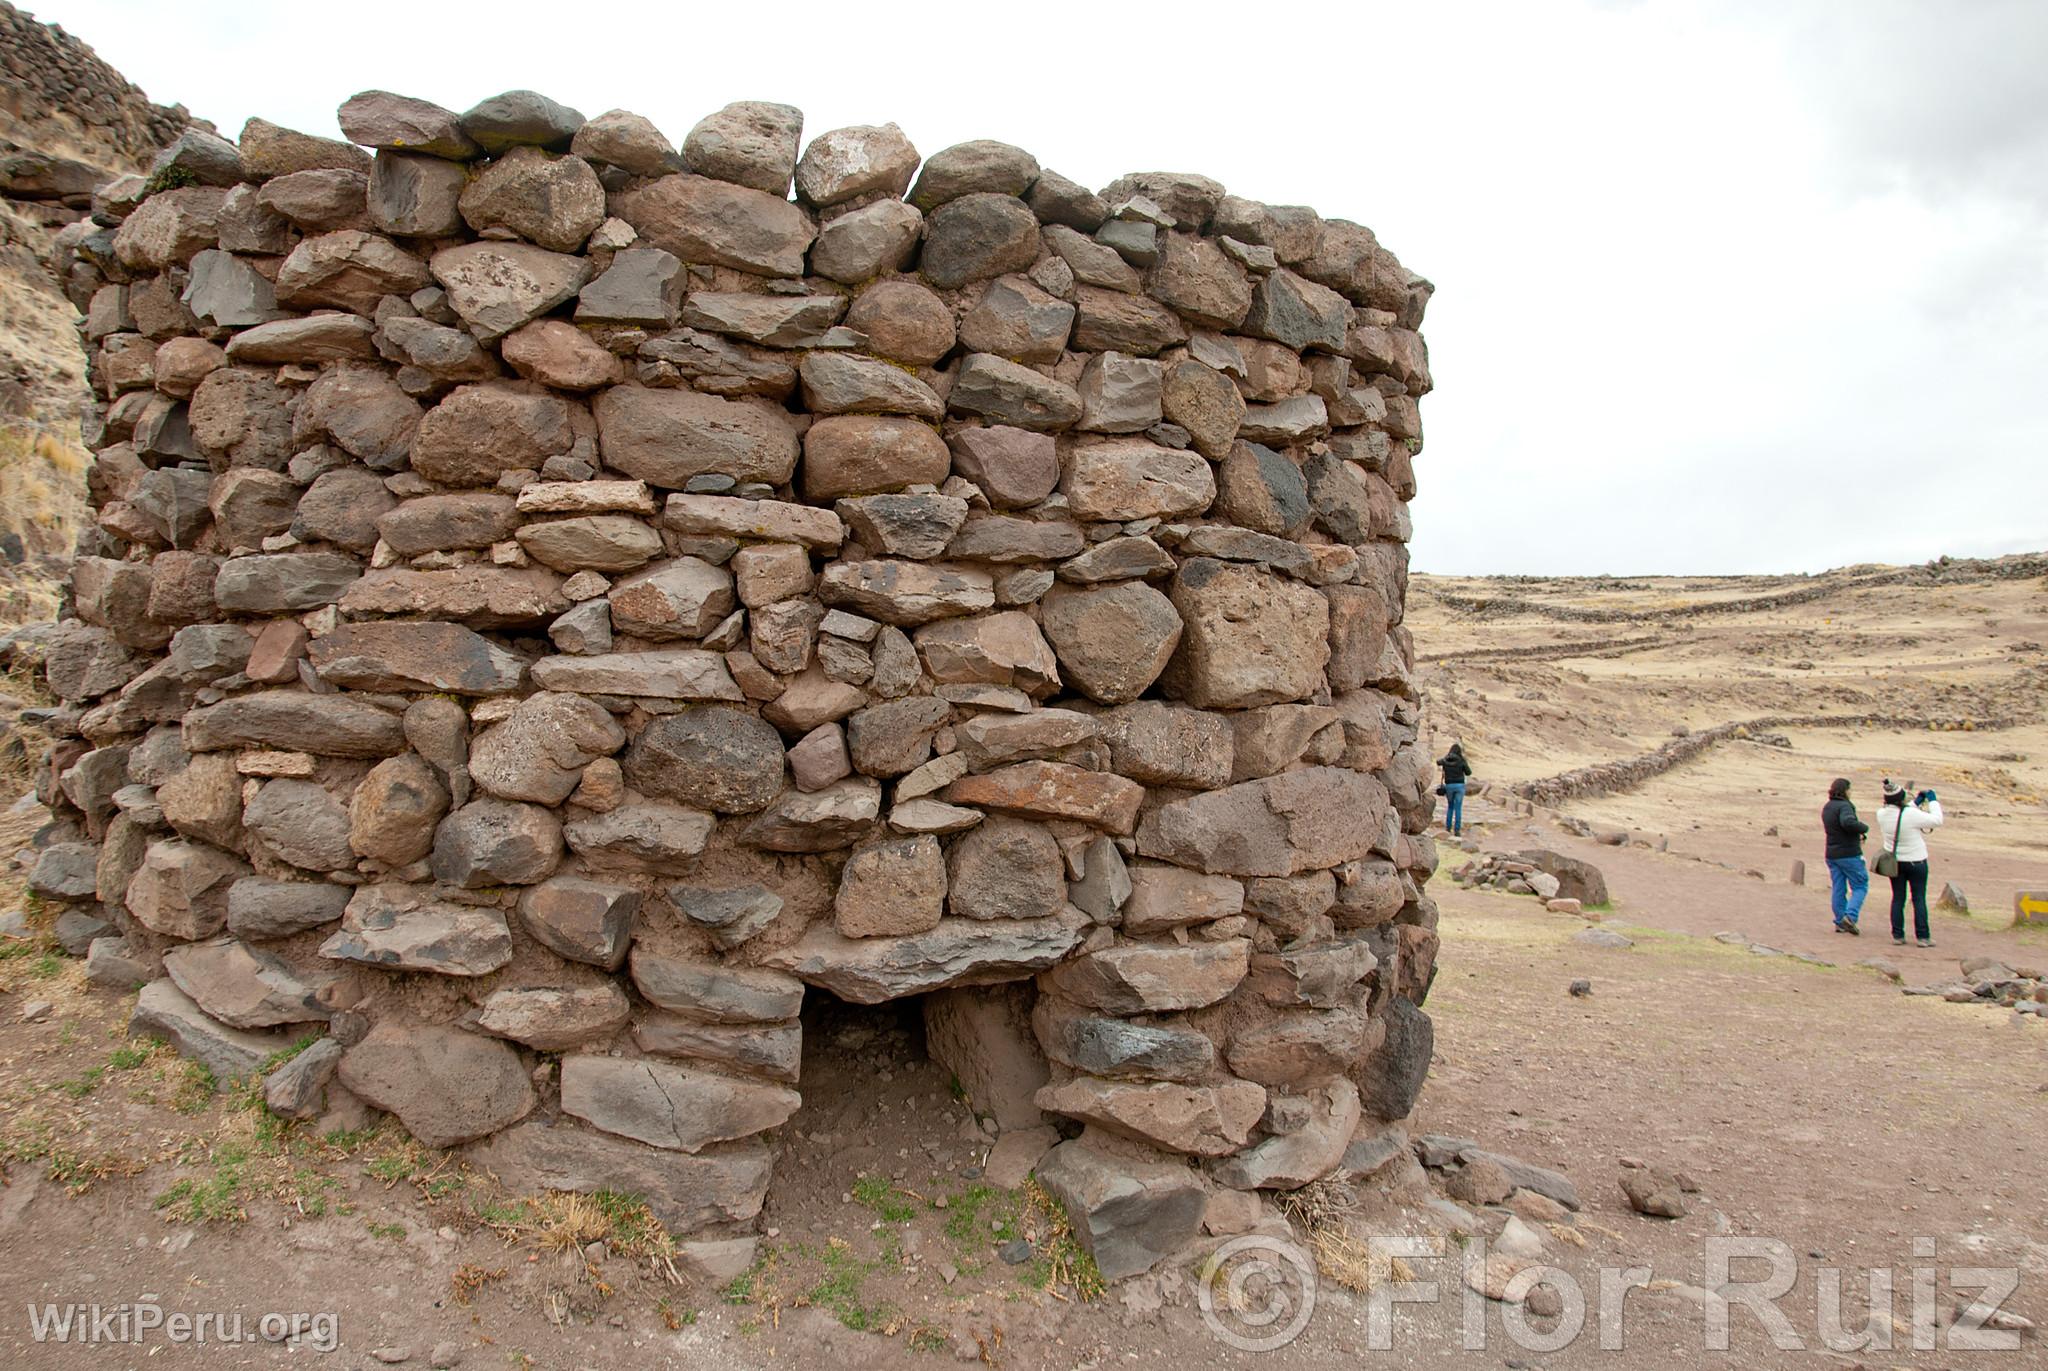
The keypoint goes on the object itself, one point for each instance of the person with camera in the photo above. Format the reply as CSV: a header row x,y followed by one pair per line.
x,y
1848,879
1902,834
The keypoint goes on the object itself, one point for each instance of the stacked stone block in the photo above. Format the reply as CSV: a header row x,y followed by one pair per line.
x,y
557,596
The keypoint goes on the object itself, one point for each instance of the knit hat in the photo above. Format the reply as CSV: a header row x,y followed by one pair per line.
x,y
1893,794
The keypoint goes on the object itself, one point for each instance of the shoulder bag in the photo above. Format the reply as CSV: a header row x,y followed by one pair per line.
x,y
1887,863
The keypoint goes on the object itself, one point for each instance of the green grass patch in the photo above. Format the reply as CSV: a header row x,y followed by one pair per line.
x,y
197,1086
404,1159
500,1214
346,1140
213,1198
77,1171
83,1084
885,1200
308,1192
395,1166
982,1214
839,1290
285,1054
1057,1257
633,1228
749,1285
1061,1259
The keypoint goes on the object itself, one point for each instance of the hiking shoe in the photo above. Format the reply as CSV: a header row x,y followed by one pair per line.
x,y
1898,942
1851,929
1924,942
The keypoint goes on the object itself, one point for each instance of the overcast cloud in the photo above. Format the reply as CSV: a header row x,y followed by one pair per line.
x,y
1739,286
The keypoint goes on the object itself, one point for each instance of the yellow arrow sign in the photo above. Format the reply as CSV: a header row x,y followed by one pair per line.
x,y
2030,907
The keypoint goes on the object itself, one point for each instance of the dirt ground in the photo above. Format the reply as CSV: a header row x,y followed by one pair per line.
x,y
1813,1105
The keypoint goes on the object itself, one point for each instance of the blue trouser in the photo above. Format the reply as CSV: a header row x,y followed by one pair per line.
x,y
1454,807
1851,882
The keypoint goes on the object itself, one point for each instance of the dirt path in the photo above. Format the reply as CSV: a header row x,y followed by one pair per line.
x,y
1814,1106
1699,886
1819,1107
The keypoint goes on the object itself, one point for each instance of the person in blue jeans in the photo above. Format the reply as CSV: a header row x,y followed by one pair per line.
x,y
1456,771
1848,878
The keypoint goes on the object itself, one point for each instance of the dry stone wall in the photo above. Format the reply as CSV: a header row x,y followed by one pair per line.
x,y
556,597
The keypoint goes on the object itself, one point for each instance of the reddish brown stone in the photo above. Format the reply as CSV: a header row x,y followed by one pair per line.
x,y
1054,790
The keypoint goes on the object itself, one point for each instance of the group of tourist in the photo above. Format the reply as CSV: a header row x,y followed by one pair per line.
x,y
1902,829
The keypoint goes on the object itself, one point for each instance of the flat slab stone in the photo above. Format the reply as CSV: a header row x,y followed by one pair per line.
x,y
1527,1176
446,1086
714,992
777,520
552,1019
164,1011
957,952
1202,1120
823,821
321,724
390,927
640,837
669,1105
686,1192
1054,790
771,1050
1373,1145
1150,978
676,674
585,497
481,596
1307,820
242,987
422,657
906,593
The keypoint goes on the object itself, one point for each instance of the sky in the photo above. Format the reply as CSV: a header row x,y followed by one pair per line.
x,y
1723,286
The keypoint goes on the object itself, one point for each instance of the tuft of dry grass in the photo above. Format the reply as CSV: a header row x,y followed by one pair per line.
x,y
469,1278
565,1221
21,750
43,503
1327,1212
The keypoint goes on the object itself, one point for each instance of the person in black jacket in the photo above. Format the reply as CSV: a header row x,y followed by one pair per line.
x,y
1456,771
1848,879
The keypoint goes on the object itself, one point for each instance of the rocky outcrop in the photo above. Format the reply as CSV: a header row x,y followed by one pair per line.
x,y
54,78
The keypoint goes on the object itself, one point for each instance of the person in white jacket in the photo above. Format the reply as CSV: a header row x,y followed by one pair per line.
x,y
1902,832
